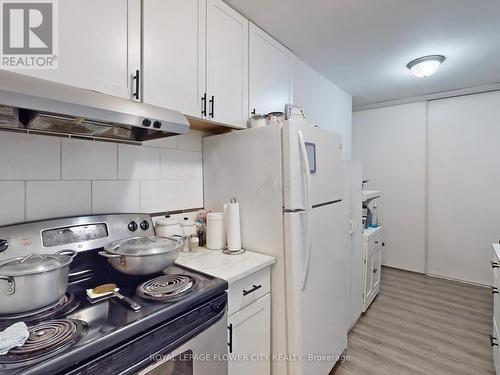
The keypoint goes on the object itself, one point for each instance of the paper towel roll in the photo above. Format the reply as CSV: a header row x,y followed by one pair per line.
x,y
233,229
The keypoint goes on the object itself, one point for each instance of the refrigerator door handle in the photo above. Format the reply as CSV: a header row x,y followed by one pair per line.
x,y
307,196
353,226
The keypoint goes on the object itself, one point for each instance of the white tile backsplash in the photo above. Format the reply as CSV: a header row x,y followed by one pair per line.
x,y
44,177
12,202
50,199
109,197
29,157
138,163
159,196
84,160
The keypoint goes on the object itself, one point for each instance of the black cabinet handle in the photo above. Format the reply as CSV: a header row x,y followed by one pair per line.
x,y
494,290
212,107
383,243
493,341
255,287
494,265
230,343
253,112
137,79
4,244
204,104
375,270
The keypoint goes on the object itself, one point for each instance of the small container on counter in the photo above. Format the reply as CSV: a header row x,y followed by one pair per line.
x,y
275,118
216,231
195,243
168,227
257,121
188,229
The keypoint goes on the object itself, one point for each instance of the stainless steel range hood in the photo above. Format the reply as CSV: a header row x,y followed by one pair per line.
x,y
52,107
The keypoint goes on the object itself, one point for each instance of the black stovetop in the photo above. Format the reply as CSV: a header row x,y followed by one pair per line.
x,y
111,322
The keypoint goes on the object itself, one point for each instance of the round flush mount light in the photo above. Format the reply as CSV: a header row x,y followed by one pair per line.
x,y
425,66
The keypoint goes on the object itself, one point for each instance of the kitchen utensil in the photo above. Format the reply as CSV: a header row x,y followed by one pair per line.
x,y
113,289
33,281
216,231
142,255
168,227
233,228
256,121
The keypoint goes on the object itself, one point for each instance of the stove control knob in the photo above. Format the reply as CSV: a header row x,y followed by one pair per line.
x,y
132,226
145,225
157,125
146,123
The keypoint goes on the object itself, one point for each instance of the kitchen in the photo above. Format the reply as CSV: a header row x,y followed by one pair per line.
x,y
231,187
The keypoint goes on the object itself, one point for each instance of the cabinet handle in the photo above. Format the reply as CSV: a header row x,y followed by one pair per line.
x,y
383,243
4,244
137,79
494,265
230,343
493,341
253,112
375,270
204,104
494,290
255,287
212,107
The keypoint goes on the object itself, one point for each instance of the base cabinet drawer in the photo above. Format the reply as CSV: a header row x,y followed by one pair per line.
x,y
245,291
249,341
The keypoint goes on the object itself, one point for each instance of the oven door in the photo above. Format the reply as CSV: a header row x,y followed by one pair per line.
x,y
205,354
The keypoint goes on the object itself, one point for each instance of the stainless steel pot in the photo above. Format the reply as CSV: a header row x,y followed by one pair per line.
x,y
34,281
142,255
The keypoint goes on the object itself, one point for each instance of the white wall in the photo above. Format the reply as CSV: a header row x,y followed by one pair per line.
x,y
464,181
45,177
325,105
390,143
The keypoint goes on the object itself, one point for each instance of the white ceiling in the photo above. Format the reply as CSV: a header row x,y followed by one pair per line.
x,y
363,46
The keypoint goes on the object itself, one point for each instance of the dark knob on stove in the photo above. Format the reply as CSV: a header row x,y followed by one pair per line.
x,y
146,123
132,226
157,125
145,225
4,244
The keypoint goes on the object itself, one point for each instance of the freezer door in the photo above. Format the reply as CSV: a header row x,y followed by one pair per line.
x,y
317,331
324,158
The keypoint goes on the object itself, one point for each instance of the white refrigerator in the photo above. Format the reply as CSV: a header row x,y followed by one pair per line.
x,y
288,183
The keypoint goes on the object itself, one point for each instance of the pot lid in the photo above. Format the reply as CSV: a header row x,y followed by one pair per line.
x,y
143,246
36,263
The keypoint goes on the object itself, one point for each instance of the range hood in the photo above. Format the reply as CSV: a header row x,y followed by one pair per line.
x,y
56,108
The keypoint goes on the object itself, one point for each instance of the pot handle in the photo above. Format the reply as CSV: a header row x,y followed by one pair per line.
x,y
30,256
108,255
68,252
10,283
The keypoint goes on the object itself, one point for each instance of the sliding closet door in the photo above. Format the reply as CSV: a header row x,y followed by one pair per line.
x,y
463,185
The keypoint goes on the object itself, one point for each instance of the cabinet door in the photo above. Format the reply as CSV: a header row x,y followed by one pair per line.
x,y
174,54
377,260
368,277
250,339
270,72
227,64
99,45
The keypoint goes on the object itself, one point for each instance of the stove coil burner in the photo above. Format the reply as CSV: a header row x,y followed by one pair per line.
x,y
67,304
167,288
47,338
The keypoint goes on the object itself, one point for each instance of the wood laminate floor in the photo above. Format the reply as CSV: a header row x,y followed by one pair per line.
x,y
422,325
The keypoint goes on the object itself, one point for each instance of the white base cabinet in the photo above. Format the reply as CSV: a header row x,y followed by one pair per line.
x,y
495,335
249,325
372,243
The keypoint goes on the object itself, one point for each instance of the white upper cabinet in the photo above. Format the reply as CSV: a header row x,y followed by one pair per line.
x,y
99,46
227,64
270,72
174,54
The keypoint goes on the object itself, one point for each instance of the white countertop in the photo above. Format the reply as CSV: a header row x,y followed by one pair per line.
x,y
227,267
496,249
370,232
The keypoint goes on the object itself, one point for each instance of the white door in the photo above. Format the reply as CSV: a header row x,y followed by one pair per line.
x,y
250,339
369,291
324,159
352,182
174,54
316,314
99,46
270,72
227,64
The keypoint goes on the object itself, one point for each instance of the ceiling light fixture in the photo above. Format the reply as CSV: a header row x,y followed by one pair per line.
x,y
425,66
